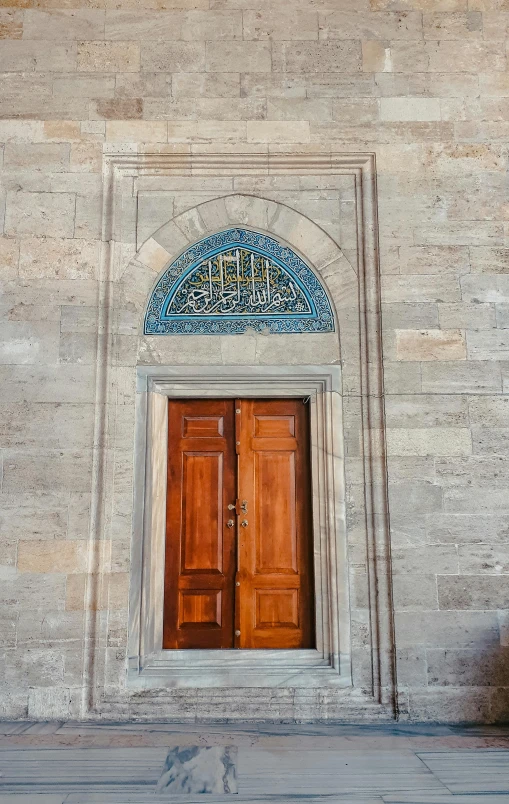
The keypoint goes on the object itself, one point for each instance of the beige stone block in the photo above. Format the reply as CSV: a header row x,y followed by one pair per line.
x,y
61,24
191,224
205,109
434,259
112,57
475,471
489,411
420,289
143,85
157,5
295,109
418,5
47,157
456,377
154,256
11,23
29,342
363,110
408,109
9,258
467,316
46,383
202,131
484,288
78,319
272,24
415,593
31,56
154,210
49,703
278,131
84,86
502,316
171,238
199,85
380,25
457,25
426,410
376,57
211,25
67,557
275,85
432,559
56,258
38,424
180,350
128,25
494,84
21,130
136,131
461,233
86,157
117,109
473,592
466,56
430,345
173,57
49,214
248,210
317,57
61,130
47,470
436,441
236,57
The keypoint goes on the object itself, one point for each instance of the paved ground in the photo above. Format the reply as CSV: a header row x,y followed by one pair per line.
x,y
76,763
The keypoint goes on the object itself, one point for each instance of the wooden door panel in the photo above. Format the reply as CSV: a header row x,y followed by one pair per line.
x,y
200,607
200,548
202,543
276,608
275,595
276,547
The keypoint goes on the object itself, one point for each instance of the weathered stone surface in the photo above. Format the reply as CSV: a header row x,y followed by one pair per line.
x,y
322,57
476,592
421,86
430,344
57,24
108,57
50,214
54,258
435,441
173,57
11,23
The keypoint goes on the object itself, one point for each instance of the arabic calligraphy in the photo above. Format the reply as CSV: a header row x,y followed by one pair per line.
x,y
238,282
235,279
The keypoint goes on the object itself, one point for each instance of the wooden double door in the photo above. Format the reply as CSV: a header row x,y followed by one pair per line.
x,y
238,566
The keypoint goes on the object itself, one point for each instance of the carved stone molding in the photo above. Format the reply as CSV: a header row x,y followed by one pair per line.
x,y
129,270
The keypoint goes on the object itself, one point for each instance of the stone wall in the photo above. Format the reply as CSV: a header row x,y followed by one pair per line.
x,y
424,86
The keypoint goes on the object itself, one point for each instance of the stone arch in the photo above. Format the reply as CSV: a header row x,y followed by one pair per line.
x,y
309,240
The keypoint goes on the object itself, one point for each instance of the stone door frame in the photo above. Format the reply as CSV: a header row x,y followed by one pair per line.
x,y
329,663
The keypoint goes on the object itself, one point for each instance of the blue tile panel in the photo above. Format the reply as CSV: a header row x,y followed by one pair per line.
x,y
235,280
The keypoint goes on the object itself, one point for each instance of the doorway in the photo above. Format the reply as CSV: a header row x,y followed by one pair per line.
x,y
239,547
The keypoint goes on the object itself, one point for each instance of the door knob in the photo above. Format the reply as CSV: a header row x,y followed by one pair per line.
x,y
244,523
230,523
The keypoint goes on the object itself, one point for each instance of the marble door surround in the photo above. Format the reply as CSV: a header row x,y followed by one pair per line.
x,y
329,663
353,663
